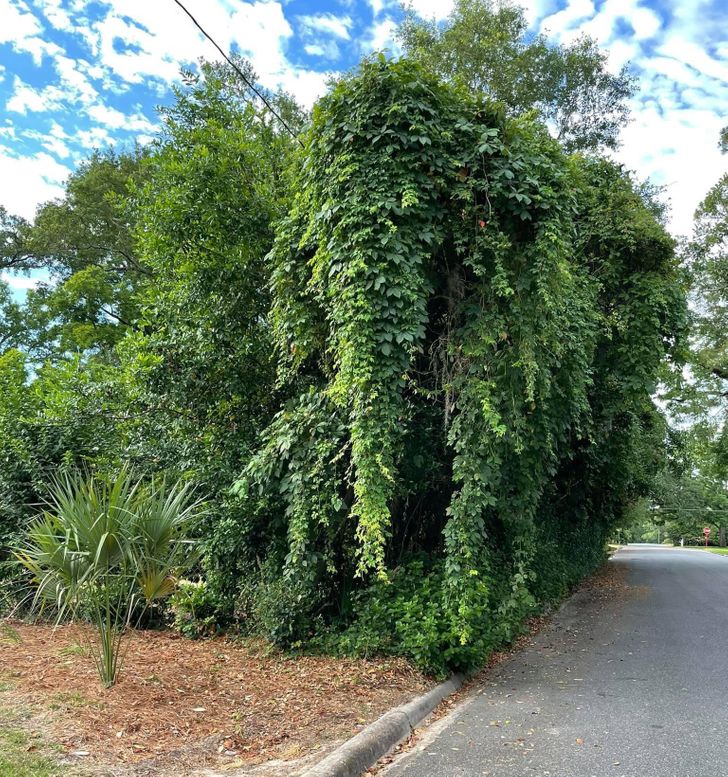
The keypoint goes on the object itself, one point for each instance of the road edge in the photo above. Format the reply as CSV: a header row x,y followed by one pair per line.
x,y
364,749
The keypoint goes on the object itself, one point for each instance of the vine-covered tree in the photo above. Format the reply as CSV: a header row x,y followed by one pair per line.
x,y
477,322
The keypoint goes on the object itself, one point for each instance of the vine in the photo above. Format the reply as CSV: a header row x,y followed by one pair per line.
x,y
450,278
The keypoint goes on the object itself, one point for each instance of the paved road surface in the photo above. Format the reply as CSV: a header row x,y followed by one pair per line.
x,y
633,684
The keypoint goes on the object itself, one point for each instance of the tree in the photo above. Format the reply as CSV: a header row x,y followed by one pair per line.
x,y
701,398
486,47
84,242
200,366
11,320
474,322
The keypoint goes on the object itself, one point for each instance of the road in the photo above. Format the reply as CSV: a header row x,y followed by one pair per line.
x,y
629,682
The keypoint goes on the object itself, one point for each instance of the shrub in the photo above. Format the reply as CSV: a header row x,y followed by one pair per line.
x,y
412,615
106,548
195,609
285,610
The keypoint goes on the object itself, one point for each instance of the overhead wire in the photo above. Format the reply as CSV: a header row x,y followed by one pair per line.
x,y
242,75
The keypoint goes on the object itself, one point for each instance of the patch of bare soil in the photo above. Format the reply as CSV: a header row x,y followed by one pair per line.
x,y
189,704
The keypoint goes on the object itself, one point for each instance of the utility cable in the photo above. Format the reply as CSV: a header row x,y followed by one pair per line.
x,y
240,73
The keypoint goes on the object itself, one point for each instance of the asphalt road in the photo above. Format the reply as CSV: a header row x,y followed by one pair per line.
x,y
631,682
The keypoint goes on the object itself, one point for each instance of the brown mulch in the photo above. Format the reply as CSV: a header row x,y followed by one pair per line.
x,y
215,700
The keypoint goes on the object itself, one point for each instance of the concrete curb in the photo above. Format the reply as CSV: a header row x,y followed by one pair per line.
x,y
360,752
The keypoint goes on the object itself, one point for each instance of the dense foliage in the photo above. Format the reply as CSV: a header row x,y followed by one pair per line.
x,y
477,322
411,362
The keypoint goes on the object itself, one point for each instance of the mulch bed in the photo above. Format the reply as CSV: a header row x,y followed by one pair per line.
x,y
217,701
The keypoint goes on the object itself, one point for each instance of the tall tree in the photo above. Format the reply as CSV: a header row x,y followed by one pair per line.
x,y
201,367
701,397
83,243
486,46
11,319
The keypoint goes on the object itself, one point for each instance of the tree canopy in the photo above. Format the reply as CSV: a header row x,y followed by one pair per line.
x,y
411,359
486,46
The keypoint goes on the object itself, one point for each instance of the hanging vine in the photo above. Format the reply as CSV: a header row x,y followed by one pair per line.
x,y
447,286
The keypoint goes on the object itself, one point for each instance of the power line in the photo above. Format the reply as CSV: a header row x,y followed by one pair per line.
x,y
240,73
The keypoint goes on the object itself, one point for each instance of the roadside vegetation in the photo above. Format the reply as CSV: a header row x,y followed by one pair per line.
x,y
408,357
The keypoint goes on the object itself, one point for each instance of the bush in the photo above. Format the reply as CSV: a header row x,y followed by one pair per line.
x,y
195,609
412,615
106,548
282,609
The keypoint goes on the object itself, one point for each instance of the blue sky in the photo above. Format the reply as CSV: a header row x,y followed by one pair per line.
x,y
80,74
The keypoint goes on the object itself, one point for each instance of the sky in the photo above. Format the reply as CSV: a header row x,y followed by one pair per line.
x,y
76,75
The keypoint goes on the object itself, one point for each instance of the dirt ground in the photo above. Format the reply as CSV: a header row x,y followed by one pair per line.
x,y
181,705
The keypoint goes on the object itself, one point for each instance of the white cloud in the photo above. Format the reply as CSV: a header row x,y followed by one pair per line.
x,y
327,49
683,90
645,23
620,53
57,147
327,23
377,6
680,49
677,149
562,21
115,119
22,30
534,10
306,85
428,9
56,131
139,40
27,99
57,15
96,137
34,179
19,282
581,17
74,80
381,36
72,87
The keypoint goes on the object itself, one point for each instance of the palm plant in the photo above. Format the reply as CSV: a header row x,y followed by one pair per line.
x,y
105,549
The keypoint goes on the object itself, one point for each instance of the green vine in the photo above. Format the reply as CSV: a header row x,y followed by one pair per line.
x,y
451,276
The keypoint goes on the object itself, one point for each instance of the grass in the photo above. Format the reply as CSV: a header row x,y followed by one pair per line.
x,y
719,551
75,649
67,700
21,751
18,757
9,634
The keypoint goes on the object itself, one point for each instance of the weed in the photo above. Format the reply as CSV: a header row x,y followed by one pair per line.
x,y
9,634
75,649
